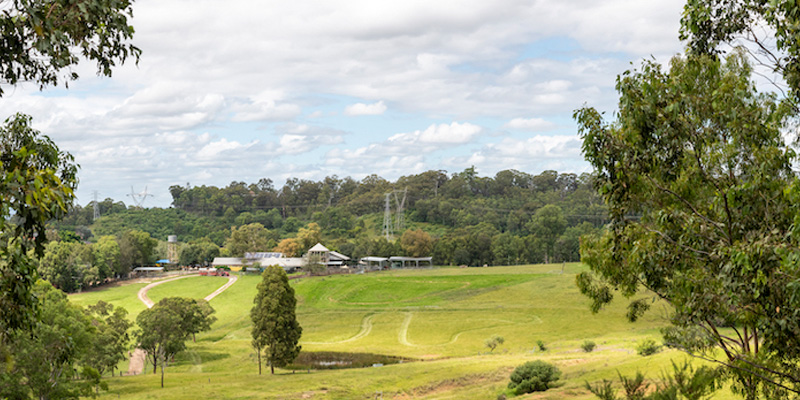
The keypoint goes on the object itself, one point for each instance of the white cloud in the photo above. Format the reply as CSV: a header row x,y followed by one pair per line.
x,y
454,133
365,109
436,136
214,85
530,124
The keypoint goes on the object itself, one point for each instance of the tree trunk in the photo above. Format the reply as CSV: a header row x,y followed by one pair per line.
x,y
272,368
259,361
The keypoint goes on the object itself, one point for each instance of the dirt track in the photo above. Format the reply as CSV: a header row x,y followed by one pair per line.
x,y
136,365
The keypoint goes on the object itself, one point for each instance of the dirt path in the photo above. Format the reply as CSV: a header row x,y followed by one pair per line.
x,y
136,365
231,281
143,291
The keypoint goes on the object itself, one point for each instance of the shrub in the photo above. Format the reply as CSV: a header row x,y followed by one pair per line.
x,y
541,345
534,376
494,341
588,346
648,347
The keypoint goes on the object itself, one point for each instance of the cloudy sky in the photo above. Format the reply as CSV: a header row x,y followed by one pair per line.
x,y
242,89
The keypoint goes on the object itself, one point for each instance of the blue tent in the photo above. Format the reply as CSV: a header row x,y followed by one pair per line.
x,y
162,261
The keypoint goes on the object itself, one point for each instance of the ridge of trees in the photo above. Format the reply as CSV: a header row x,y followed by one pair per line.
x,y
461,219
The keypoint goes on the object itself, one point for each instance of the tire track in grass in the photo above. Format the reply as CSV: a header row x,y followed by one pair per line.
x,y
402,336
366,328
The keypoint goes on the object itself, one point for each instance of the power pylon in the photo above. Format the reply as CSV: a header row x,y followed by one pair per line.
x,y
388,231
399,214
400,217
96,207
139,198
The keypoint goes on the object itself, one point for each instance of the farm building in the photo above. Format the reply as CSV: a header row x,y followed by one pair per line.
x,y
395,262
408,262
373,262
257,260
330,258
263,259
232,262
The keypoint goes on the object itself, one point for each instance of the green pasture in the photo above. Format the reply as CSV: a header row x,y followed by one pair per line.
x,y
440,317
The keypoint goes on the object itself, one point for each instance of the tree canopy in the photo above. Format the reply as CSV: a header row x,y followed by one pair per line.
x,y
708,24
165,328
42,38
37,181
703,202
275,331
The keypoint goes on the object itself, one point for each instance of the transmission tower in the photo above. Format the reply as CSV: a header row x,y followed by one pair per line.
x,y
139,198
399,214
96,207
388,232
400,217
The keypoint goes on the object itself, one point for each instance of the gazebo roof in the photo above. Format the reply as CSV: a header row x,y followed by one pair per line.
x,y
318,248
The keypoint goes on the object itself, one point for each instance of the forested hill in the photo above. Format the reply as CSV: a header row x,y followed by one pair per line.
x,y
513,217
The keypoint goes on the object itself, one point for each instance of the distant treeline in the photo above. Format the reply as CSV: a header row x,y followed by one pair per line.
x,y
513,217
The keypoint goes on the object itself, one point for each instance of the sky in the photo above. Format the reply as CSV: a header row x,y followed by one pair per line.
x,y
242,90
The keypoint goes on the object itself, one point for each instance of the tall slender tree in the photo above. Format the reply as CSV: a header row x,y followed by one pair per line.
x,y
275,331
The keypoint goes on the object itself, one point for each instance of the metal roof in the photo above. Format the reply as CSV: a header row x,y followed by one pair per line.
x,y
318,248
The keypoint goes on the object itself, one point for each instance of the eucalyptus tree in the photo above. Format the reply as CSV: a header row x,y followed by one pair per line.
x,y
704,214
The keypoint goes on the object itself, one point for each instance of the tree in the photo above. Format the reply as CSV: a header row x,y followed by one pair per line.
x,y
105,255
275,328
548,224
59,266
37,181
534,376
703,207
112,339
289,247
165,328
494,341
201,252
135,249
309,236
313,265
44,358
708,24
416,243
42,38
250,238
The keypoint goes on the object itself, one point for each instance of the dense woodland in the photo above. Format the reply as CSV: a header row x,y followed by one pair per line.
x,y
459,219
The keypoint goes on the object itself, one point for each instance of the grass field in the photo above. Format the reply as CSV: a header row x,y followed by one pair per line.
x,y
440,317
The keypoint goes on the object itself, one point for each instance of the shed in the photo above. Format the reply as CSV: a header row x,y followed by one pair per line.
x,y
406,262
374,262
144,271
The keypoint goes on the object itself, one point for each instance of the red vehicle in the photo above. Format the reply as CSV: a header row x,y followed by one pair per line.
x,y
213,272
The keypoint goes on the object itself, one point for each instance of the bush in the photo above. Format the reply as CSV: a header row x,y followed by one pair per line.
x,y
541,345
648,347
534,376
588,346
494,341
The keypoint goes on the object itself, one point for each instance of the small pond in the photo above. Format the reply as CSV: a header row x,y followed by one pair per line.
x,y
338,360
